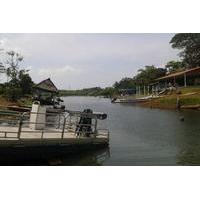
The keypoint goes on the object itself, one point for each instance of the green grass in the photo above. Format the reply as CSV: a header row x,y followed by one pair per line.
x,y
25,101
190,100
190,89
170,101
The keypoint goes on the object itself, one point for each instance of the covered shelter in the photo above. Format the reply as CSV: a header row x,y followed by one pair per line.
x,y
45,92
187,77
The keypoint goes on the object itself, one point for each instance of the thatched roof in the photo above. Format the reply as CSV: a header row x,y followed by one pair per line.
x,y
47,85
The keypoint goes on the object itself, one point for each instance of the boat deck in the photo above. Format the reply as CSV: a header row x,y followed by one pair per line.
x,y
9,136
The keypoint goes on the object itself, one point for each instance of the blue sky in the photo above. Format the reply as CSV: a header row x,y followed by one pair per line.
x,y
75,61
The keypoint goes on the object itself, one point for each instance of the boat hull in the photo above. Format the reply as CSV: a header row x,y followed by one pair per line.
x,y
19,154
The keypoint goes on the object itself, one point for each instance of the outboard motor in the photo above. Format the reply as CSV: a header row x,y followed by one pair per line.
x,y
85,124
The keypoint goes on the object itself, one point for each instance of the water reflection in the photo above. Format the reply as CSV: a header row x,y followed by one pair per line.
x,y
92,158
188,139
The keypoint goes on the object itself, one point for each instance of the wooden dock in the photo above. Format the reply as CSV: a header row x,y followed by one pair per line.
x,y
28,137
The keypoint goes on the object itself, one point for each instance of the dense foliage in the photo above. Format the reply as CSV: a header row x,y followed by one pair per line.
x,y
19,82
144,76
96,91
174,66
189,44
148,74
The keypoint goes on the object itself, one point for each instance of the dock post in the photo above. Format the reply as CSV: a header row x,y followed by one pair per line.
x,y
185,80
20,127
59,121
63,130
139,91
136,92
95,126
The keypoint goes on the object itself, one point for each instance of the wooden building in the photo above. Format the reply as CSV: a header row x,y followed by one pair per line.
x,y
46,92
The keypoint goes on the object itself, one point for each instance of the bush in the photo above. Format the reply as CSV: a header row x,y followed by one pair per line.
x,y
13,93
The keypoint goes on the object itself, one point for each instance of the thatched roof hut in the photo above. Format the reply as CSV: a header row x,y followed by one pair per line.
x,y
46,86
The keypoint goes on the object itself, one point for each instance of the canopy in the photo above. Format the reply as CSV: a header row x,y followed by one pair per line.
x,y
181,73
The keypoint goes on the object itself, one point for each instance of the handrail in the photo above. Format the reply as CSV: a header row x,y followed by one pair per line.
x,y
64,122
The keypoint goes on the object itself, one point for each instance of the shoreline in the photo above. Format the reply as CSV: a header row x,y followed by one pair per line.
x,y
184,98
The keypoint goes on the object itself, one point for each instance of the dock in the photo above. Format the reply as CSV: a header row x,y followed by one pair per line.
x,y
9,136
30,135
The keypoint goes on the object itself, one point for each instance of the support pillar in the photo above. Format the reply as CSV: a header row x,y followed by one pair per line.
x,y
139,91
37,116
185,80
174,80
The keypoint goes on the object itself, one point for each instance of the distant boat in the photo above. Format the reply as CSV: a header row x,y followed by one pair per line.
x,y
124,100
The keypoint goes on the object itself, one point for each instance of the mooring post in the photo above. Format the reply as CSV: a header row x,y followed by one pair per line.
x,y
95,126
63,130
59,118
20,126
178,104
139,90
185,80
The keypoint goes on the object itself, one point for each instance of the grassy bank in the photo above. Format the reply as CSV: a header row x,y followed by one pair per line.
x,y
4,102
22,102
188,96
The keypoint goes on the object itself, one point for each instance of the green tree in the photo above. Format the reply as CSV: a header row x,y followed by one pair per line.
x,y
189,44
2,67
148,74
12,63
12,91
173,66
20,83
108,92
25,82
125,83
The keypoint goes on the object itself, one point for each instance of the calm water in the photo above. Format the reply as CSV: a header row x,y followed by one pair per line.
x,y
141,136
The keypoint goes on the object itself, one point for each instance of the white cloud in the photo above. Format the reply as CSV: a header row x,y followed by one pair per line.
x,y
60,75
58,71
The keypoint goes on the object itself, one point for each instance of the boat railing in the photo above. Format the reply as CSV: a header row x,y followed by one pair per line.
x,y
65,122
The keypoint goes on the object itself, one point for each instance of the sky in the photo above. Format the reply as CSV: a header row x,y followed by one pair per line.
x,y
76,61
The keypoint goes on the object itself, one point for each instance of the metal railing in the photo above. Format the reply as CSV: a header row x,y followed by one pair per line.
x,y
66,122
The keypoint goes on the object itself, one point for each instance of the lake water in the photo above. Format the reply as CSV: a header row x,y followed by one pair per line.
x,y
141,136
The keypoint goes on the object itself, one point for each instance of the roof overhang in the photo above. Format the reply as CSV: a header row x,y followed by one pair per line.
x,y
181,73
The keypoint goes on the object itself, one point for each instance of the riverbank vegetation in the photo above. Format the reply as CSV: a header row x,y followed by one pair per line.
x,y
19,84
95,91
187,97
